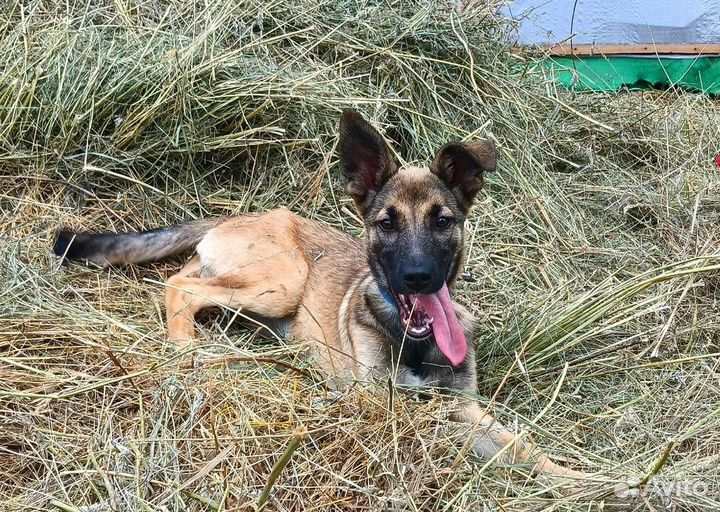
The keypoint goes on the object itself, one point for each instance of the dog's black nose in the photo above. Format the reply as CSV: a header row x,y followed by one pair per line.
x,y
416,279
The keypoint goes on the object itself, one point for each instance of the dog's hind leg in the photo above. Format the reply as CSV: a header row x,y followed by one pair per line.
x,y
491,438
271,288
180,303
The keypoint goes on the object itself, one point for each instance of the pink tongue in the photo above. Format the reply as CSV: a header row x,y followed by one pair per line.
x,y
449,334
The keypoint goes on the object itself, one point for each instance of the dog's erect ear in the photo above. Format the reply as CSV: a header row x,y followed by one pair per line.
x,y
461,167
365,158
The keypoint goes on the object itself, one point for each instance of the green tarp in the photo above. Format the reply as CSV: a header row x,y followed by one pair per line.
x,y
611,73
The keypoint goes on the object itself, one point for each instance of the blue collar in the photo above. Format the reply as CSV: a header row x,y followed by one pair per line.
x,y
387,296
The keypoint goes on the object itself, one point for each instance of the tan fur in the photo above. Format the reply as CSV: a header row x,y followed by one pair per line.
x,y
324,284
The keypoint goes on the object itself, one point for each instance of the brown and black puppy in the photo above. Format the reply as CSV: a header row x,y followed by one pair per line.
x,y
370,308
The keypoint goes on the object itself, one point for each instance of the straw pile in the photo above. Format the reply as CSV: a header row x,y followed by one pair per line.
x,y
593,261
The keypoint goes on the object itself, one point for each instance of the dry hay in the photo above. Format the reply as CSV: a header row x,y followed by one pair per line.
x,y
593,264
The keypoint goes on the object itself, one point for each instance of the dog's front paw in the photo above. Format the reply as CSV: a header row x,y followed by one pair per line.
x,y
182,341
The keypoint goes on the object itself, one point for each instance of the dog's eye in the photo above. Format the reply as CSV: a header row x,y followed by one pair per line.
x,y
443,222
386,224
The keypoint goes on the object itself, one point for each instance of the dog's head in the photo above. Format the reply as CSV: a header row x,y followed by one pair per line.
x,y
413,216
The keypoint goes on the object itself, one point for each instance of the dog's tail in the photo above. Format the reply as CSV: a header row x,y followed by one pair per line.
x,y
117,249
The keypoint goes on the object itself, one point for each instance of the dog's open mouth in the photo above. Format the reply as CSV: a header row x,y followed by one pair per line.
x,y
415,319
434,312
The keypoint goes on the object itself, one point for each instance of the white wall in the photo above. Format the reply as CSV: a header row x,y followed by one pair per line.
x,y
616,21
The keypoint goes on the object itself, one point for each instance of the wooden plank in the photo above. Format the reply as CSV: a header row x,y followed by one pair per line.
x,y
583,50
